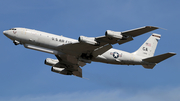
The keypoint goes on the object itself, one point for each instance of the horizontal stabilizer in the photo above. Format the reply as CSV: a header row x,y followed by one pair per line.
x,y
159,58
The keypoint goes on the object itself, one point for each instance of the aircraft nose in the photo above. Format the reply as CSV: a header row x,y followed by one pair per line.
x,y
5,32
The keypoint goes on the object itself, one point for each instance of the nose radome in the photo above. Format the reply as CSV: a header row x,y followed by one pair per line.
x,y
4,32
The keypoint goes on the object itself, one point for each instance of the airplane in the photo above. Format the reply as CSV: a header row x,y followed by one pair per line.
x,y
72,54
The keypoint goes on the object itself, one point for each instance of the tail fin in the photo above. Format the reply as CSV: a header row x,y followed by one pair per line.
x,y
149,47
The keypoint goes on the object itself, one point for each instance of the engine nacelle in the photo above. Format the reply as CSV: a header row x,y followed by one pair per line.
x,y
88,40
57,67
16,42
51,62
61,71
114,34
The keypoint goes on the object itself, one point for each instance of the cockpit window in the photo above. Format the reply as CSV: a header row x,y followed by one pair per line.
x,y
12,29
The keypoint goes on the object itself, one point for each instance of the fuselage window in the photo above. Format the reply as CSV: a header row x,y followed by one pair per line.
x,y
56,39
52,38
61,40
12,29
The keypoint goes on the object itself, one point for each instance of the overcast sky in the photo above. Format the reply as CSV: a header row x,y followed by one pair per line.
x,y
25,77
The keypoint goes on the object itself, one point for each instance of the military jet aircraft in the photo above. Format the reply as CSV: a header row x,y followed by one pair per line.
x,y
72,54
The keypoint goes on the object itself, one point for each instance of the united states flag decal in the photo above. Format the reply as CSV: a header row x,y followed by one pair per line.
x,y
148,44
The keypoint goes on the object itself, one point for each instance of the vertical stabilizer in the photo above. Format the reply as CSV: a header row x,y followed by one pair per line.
x,y
149,47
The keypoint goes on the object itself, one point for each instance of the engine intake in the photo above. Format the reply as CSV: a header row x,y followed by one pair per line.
x,y
16,42
61,71
113,34
88,40
51,62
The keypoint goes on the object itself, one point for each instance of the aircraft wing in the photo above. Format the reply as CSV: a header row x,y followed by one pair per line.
x,y
129,34
79,48
71,66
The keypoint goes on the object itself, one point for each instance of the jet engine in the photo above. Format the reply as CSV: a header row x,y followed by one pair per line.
x,y
57,67
61,71
51,62
113,34
88,40
54,63
16,42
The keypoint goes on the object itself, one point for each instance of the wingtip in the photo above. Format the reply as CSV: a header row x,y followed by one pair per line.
x,y
172,53
152,27
155,27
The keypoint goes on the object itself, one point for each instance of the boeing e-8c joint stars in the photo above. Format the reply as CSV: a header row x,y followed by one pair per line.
x,y
72,54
